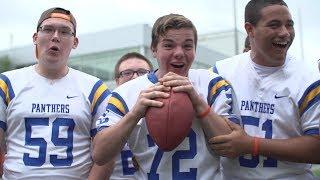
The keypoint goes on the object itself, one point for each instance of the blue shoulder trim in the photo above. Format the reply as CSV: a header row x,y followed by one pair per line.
x,y
215,87
117,105
97,95
6,91
310,97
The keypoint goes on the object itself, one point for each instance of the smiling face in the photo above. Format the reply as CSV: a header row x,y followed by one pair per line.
x,y
272,36
175,51
53,49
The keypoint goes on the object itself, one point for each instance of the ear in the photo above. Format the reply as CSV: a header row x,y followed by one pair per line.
x,y
117,81
34,38
75,42
249,28
154,52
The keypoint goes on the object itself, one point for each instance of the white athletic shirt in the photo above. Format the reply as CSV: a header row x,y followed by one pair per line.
x,y
283,105
49,123
191,159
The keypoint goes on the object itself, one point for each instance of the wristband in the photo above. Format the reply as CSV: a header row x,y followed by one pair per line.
x,y
204,113
255,148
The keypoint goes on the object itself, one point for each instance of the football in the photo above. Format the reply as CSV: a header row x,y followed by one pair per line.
x,y
169,125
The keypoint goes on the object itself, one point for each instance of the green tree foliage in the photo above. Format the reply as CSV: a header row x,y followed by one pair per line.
x,y
5,64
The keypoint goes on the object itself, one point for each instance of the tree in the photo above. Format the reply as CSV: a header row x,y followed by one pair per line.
x,y
5,64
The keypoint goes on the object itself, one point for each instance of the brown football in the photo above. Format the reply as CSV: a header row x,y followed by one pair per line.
x,y
169,125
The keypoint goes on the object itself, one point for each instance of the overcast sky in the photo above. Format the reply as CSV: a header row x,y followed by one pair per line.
x,y
18,18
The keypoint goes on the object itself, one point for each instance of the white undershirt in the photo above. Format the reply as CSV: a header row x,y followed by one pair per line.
x,y
264,71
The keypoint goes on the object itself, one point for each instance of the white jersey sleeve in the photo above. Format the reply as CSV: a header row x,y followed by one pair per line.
x,y
6,95
282,105
49,123
192,158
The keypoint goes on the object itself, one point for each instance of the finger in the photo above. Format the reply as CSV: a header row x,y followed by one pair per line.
x,y
151,103
157,87
171,76
220,146
155,94
219,139
184,88
176,82
233,125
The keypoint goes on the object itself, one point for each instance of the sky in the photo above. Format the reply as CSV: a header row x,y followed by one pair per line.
x,y
18,18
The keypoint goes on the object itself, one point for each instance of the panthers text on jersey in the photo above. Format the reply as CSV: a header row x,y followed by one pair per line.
x,y
191,159
282,105
49,123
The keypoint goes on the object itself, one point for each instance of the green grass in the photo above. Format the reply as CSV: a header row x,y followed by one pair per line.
x,y
316,172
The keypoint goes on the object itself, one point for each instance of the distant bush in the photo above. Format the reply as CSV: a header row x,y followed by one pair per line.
x,y
5,64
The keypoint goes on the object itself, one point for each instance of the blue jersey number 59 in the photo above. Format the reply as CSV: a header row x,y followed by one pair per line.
x,y
55,139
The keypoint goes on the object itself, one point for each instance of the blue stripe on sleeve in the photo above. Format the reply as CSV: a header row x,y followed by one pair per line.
x,y
3,125
116,95
310,97
102,97
10,90
3,96
94,89
214,97
114,109
214,69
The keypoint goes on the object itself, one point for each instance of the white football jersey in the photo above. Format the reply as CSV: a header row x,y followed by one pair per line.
x,y
123,168
191,159
282,105
49,123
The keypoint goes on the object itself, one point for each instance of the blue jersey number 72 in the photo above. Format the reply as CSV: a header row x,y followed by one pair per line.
x,y
176,157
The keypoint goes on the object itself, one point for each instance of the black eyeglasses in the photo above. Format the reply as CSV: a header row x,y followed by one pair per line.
x,y
63,32
128,73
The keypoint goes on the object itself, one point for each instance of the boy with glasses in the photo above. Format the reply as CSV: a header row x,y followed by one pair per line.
x,y
129,66
48,110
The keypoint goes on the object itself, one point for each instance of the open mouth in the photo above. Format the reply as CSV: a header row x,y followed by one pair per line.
x,y
280,44
54,49
177,65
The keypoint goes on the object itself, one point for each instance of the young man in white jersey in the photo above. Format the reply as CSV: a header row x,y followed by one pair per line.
x,y
278,98
174,40
48,111
129,66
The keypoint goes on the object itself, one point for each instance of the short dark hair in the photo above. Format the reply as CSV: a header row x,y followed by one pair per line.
x,y
252,13
170,21
129,56
57,12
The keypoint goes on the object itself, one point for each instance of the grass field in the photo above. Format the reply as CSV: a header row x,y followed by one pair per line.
x,y
316,170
